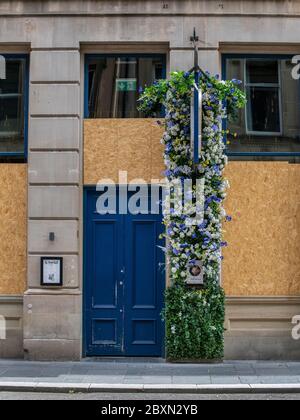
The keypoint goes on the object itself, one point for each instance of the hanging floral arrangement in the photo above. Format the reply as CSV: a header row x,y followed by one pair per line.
x,y
194,316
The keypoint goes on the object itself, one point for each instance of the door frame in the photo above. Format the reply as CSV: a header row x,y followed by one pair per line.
x,y
86,190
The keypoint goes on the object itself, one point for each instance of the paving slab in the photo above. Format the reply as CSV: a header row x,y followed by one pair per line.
x,y
157,379
252,379
196,380
225,380
279,380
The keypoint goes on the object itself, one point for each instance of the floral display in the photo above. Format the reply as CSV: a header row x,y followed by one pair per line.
x,y
194,316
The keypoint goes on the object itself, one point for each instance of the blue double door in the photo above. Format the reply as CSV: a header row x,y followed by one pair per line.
x,y
124,283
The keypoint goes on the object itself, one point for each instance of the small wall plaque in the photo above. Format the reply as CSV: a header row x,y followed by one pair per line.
x,y
195,274
51,271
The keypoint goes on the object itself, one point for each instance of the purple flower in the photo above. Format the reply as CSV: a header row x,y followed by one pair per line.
x,y
216,168
168,148
203,225
216,199
237,82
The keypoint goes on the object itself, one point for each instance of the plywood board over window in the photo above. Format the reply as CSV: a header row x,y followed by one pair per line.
x,y
13,208
263,257
113,145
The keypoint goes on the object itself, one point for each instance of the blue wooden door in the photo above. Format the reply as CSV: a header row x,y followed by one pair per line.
x,y
123,284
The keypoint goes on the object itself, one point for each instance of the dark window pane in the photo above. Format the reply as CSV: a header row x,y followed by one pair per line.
x,y
12,107
264,114
263,110
114,84
262,71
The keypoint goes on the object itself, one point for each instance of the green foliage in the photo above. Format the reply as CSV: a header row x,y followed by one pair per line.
x,y
195,322
155,95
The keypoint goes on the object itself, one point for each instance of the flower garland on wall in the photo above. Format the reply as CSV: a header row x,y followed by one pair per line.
x,y
194,317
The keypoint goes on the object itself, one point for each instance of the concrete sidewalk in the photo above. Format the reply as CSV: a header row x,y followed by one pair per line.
x,y
150,375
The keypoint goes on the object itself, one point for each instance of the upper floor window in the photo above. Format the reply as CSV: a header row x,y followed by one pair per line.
x,y
13,105
269,126
113,83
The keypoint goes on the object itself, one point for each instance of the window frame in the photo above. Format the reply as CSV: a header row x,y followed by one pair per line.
x,y
89,57
20,155
270,85
258,56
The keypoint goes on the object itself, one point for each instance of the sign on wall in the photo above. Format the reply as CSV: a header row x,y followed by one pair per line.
x,y
51,271
195,274
126,85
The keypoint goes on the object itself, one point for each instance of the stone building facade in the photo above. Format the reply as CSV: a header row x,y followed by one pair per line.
x,y
64,151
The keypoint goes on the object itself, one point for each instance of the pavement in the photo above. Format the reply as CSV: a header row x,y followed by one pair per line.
x,y
150,376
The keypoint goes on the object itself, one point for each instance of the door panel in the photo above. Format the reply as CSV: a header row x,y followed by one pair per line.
x,y
142,252
124,283
144,285
105,261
